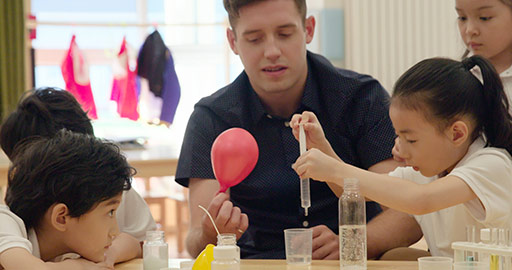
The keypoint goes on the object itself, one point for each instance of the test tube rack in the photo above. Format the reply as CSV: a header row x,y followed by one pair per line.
x,y
461,248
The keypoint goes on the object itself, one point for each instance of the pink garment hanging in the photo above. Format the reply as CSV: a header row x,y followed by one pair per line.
x,y
76,75
124,87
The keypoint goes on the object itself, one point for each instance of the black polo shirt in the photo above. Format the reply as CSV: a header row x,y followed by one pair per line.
x,y
353,111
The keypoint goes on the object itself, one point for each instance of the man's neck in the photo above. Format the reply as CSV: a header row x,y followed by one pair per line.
x,y
281,105
284,103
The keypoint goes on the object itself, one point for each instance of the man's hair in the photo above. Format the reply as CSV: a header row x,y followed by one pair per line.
x,y
75,169
233,8
43,112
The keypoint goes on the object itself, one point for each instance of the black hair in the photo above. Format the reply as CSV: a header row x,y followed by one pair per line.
x,y
448,89
43,112
76,169
233,8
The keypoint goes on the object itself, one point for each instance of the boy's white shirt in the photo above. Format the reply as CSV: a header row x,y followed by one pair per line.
x,y
13,233
133,217
506,79
488,172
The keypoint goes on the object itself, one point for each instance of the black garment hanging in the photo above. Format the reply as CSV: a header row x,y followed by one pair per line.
x,y
151,62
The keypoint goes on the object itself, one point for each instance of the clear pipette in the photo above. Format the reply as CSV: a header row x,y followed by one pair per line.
x,y
304,183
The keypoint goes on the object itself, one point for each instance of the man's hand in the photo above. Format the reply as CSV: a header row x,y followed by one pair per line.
x,y
325,244
228,218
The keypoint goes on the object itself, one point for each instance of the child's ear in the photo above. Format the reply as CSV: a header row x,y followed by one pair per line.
x,y
458,132
59,216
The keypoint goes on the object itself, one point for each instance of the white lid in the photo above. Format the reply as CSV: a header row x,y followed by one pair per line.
x,y
224,252
350,183
186,264
485,234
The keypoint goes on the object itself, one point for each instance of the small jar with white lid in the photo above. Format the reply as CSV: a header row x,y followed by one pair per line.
x,y
225,258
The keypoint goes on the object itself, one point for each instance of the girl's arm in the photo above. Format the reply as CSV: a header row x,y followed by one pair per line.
x,y
315,138
400,194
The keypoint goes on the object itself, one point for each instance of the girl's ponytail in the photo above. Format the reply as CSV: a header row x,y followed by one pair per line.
x,y
496,120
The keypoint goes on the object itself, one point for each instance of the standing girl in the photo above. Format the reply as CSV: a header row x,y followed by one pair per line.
x,y
456,137
485,27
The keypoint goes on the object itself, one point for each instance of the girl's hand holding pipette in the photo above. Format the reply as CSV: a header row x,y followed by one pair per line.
x,y
315,137
317,165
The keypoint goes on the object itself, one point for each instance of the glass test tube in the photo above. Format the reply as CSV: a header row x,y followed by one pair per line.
x,y
470,237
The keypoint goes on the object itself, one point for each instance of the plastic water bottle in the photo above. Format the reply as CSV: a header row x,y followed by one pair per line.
x,y
224,258
228,239
352,218
155,251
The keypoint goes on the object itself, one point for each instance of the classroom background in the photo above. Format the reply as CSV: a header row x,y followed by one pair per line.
x,y
381,38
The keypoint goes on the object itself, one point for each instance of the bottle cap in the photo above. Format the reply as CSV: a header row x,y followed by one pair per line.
x,y
226,239
350,182
485,234
154,235
186,265
224,252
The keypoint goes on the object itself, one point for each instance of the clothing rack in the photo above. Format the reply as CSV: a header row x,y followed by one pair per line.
x,y
32,24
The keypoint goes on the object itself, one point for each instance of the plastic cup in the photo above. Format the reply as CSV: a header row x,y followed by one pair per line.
x,y
298,246
435,263
470,266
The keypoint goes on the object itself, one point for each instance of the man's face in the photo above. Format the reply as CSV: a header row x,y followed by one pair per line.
x,y
91,234
270,38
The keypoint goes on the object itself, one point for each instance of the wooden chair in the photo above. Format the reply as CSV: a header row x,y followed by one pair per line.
x,y
170,210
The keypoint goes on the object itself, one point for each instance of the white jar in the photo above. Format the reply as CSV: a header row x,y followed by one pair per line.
x,y
228,239
155,251
224,258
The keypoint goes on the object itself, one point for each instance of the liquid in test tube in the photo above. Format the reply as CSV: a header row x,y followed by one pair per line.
x,y
495,259
304,183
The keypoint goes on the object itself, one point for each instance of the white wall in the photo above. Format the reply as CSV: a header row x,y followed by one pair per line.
x,y
384,38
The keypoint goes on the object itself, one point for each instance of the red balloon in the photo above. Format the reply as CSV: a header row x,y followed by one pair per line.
x,y
234,155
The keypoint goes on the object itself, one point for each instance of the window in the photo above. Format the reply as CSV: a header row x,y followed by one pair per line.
x,y
194,31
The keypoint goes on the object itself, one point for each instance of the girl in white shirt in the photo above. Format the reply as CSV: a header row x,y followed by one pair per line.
x,y
455,134
484,27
